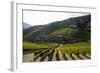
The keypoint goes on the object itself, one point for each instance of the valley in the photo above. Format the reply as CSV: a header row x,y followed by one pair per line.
x,y
65,40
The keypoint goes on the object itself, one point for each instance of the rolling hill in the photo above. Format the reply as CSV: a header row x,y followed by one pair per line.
x,y
68,30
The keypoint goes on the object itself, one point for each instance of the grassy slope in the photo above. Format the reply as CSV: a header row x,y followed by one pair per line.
x,y
30,46
61,31
76,48
80,47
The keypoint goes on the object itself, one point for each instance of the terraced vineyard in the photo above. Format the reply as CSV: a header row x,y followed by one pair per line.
x,y
58,52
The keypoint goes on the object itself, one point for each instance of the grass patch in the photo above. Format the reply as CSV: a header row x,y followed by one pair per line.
x,y
61,31
76,48
37,46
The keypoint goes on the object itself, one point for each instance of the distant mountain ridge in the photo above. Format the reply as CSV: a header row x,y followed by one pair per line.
x,y
26,25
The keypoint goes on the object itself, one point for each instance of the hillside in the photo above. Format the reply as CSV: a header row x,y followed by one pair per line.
x,y
68,30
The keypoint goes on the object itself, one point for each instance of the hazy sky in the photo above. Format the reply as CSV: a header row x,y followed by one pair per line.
x,y
43,17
